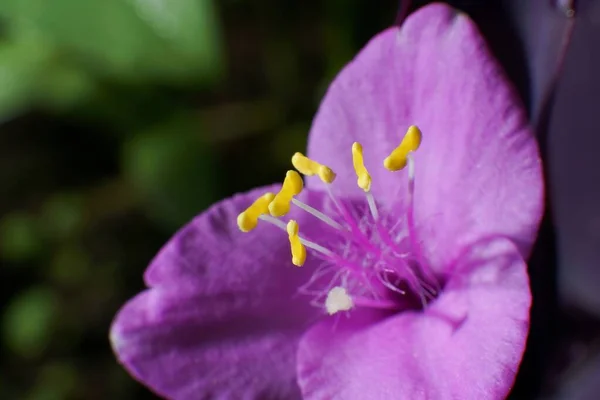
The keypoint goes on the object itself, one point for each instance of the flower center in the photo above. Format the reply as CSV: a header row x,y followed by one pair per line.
x,y
373,261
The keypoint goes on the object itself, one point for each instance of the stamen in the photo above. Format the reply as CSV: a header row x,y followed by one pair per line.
x,y
283,226
319,292
412,234
356,234
273,221
391,286
319,273
292,186
352,230
371,265
316,247
364,179
372,206
398,158
333,198
248,219
318,214
309,167
411,168
298,249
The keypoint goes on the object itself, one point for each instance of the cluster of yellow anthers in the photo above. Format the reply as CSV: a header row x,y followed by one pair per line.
x,y
271,206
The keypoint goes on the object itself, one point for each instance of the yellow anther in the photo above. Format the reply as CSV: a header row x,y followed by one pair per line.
x,y
292,186
298,249
410,142
309,167
248,219
364,179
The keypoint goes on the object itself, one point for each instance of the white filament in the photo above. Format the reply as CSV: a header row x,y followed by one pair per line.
x,y
283,226
318,214
372,206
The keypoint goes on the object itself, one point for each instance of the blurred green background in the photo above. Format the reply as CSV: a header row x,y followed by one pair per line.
x,y
120,120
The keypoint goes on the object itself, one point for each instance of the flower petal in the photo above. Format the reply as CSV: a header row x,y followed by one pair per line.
x,y
467,345
477,171
222,318
187,346
212,255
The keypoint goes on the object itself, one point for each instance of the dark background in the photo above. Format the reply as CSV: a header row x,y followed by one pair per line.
x,y
119,123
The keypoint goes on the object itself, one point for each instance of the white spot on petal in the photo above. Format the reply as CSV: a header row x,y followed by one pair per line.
x,y
338,300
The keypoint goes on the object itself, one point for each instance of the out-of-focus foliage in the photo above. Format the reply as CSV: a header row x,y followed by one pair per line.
x,y
167,166
121,120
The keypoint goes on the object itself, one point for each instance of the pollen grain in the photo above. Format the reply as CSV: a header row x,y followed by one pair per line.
x,y
297,248
411,141
248,219
364,179
292,186
309,167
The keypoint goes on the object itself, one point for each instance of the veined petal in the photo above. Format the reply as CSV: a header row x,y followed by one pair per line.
x,y
467,345
186,346
212,255
478,170
222,317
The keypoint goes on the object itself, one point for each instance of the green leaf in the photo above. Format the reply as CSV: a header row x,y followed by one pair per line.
x,y
128,38
20,238
54,381
70,266
189,26
32,74
172,170
21,64
28,321
61,215
63,85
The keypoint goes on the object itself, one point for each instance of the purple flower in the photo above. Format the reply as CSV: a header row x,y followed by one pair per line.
x,y
412,286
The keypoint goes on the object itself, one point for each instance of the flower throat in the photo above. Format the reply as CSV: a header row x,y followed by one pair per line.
x,y
376,265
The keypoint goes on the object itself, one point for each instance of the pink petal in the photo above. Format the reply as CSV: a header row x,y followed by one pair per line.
x,y
477,172
187,346
467,345
212,255
222,318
